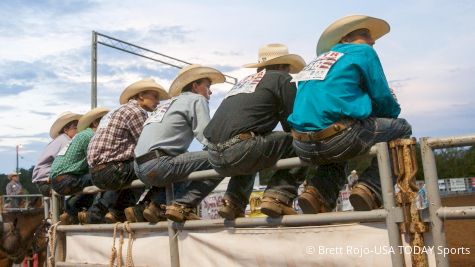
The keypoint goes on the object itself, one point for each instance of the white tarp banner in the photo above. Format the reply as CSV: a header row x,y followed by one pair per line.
x,y
457,184
332,245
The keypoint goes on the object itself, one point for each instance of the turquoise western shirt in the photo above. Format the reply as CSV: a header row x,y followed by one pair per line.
x,y
355,87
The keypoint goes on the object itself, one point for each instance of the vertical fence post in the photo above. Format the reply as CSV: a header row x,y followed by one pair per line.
x,y
172,232
387,190
94,70
432,189
60,254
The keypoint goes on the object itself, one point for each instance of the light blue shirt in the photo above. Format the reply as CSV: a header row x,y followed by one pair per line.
x,y
355,87
172,127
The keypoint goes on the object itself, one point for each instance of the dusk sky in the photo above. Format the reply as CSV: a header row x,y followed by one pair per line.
x,y
45,55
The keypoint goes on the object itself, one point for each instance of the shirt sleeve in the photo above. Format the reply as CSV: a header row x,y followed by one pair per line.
x,y
136,125
384,104
200,119
288,90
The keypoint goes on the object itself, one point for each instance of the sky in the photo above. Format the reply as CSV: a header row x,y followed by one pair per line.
x,y
45,55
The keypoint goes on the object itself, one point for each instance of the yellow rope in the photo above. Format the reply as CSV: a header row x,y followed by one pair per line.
x,y
129,260
114,251
52,243
121,242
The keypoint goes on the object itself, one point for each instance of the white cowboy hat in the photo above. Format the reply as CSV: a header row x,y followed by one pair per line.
x,y
91,116
192,73
273,54
10,175
63,119
338,29
140,86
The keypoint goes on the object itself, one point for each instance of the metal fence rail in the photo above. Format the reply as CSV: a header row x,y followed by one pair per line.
x,y
438,213
391,214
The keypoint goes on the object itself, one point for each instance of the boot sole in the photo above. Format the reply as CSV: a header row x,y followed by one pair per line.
x,y
175,217
360,203
226,215
307,206
273,211
150,217
133,216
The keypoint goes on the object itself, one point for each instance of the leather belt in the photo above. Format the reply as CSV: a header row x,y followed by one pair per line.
x,y
59,178
154,154
99,167
232,141
330,131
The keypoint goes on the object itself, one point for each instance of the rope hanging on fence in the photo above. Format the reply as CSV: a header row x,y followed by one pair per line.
x,y
405,168
116,254
52,243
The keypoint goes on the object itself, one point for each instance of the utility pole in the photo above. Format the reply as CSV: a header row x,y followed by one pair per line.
x,y
17,150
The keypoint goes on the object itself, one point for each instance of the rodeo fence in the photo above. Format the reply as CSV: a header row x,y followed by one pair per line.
x,y
392,215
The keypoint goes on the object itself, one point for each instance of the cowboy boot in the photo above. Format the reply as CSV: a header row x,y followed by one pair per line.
x,y
363,199
311,201
230,210
274,208
154,214
180,213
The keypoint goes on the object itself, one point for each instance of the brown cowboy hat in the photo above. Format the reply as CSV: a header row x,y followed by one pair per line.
x,y
341,27
141,86
273,54
63,119
91,116
192,73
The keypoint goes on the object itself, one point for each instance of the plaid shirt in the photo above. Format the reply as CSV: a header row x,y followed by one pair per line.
x,y
14,188
115,139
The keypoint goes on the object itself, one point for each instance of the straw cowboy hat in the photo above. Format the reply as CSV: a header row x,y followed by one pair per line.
x,y
338,29
91,116
10,175
192,73
63,119
273,54
140,86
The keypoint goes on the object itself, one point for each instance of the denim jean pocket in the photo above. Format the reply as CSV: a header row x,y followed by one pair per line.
x,y
238,152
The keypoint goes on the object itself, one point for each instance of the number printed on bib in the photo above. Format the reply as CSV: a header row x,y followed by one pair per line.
x,y
247,85
106,119
159,113
62,152
318,68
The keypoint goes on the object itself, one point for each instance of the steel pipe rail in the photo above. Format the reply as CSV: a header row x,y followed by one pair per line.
x,y
446,142
436,212
456,213
212,174
288,220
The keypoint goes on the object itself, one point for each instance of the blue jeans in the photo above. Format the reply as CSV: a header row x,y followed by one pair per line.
x,y
167,169
250,156
332,153
114,177
72,184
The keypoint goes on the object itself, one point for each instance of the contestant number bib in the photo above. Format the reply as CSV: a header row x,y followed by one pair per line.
x,y
247,85
318,68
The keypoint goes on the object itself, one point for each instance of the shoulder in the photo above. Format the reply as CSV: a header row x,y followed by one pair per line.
x,y
278,75
61,139
130,108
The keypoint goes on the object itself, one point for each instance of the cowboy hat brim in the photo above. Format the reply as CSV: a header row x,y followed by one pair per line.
x,y
61,122
91,116
338,29
188,76
296,62
141,86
